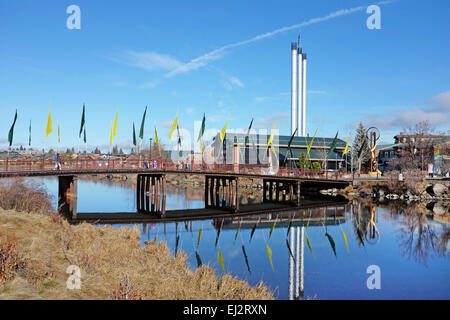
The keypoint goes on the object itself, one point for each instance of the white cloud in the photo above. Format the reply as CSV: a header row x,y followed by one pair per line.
x,y
408,118
441,101
237,82
267,123
149,85
322,92
151,61
216,54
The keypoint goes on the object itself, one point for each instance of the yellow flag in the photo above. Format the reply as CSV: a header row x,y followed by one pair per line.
x,y
220,258
271,135
269,254
311,142
222,133
173,126
59,140
111,136
49,122
114,132
346,147
156,138
201,145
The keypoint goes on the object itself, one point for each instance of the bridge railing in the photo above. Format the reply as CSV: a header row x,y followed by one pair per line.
x,y
143,164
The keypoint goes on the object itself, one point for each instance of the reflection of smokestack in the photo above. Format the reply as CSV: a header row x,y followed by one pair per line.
x,y
303,103
293,87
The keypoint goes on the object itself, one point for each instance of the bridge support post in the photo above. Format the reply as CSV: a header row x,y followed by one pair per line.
x,y
67,196
151,193
222,192
207,192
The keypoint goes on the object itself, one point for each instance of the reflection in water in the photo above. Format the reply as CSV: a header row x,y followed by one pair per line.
x,y
405,241
419,239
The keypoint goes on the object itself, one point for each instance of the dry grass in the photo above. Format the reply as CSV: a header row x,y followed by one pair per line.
x,y
113,265
16,194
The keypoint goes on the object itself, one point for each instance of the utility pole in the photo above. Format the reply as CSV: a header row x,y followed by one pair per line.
x,y
150,148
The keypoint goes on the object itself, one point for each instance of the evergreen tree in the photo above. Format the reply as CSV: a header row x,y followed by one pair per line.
x,y
115,150
303,162
360,148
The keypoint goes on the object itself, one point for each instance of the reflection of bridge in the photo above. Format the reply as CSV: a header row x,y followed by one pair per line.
x,y
282,191
322,214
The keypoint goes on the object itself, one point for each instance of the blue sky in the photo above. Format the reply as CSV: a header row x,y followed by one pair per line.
x,y
202,56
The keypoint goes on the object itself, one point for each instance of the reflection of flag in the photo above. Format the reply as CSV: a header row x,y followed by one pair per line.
x,y
222,133
82,121
202,129
269,142
333,144
156,138
48,130
311,143
141,131
134,135
11,131
59,138
115,124
346,147
173,126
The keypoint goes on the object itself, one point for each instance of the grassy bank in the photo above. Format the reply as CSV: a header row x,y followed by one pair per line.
x,y
37,248
35,251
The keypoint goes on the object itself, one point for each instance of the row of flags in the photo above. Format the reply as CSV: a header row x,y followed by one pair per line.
x,y
113,132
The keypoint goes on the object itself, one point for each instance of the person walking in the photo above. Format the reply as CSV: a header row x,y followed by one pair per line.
x,y
57,162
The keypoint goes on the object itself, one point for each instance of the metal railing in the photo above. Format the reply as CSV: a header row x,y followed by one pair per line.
x,y
36,166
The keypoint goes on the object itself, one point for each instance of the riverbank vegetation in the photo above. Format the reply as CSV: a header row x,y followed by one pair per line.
x,y
37,248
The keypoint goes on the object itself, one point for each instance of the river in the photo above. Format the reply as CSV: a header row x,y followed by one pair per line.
x,y
353,250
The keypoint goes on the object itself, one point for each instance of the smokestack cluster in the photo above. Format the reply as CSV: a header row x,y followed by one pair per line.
x,y
298,89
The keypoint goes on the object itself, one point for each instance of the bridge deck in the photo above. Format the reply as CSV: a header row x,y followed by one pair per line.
x,y
194,214
50,173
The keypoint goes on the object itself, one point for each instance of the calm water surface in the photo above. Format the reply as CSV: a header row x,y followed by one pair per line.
x,y
411,250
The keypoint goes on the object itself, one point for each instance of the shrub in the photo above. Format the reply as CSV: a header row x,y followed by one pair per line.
x,y
10,261
16,194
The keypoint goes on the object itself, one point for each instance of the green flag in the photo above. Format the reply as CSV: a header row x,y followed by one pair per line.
x,y
179,137
11,131
134,135
82,121
333,144
202,129
248,133
141,131
29,137
84,138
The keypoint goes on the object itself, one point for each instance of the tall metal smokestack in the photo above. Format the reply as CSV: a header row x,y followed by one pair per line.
x,y
294,87
303,111
300,92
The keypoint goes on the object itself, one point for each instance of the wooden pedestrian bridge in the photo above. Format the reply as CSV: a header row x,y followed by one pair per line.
x,y
281,190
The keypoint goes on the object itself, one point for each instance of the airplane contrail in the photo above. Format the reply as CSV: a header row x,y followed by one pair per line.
x,y
218,53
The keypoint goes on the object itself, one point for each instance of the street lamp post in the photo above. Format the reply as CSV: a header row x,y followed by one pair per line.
x,y
150,148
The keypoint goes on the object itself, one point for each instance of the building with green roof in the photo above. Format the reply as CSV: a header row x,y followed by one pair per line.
x,y
252,149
